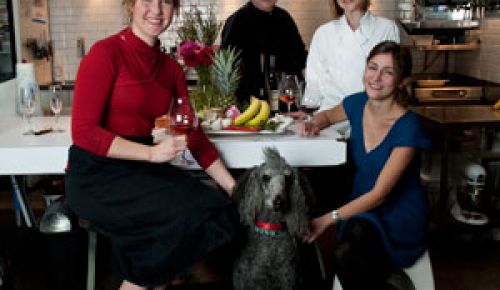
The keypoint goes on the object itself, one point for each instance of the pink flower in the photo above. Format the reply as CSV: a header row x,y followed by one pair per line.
x,y
206,56
194,53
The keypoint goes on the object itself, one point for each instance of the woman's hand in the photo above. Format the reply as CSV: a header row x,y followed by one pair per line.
x,y
318,226
307,129
168,148
298,115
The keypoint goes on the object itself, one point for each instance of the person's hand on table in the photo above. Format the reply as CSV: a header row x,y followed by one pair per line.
x,y
168,148
299,115
307,128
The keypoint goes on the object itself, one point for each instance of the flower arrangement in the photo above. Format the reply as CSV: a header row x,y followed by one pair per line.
x,y
198,56
196,28
217,71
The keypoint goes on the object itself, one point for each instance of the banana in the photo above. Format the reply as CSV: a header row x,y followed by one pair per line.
x,y
496,106
251,111
261,117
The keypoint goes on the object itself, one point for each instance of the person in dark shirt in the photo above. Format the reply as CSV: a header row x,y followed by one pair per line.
x,y
260,27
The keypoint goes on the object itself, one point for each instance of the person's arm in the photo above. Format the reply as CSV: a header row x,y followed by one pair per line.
x,y
315,67
166,150
93,87
322,120
393,169
219,173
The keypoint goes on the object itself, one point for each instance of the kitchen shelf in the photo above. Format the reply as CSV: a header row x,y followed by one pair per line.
x,y
449,47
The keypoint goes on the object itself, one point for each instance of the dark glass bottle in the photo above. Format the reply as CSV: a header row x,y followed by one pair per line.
x,y
273,87
263,82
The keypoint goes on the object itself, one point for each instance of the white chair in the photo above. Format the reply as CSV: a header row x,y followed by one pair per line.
x,y
420,274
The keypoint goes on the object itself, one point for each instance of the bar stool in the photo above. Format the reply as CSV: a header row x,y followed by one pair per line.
x,y
91,252
420,274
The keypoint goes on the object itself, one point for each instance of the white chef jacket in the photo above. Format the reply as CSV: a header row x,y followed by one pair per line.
x,y
337,56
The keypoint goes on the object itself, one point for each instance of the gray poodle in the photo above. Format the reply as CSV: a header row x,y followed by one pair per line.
x,y
273,206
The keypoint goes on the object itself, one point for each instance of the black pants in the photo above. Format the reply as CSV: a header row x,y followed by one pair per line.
x,y
360,260
331,186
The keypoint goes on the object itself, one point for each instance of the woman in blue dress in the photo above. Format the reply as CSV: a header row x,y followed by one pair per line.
x,y
383,224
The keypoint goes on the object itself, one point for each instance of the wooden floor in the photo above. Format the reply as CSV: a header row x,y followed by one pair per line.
x,y
463,258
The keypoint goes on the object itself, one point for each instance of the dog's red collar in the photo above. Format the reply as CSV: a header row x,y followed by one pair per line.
x,y
269,226
268,229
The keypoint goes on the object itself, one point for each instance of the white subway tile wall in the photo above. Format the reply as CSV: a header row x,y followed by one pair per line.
x,y
95,19
484,63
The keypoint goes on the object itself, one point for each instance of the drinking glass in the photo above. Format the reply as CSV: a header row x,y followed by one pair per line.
x,y
27,101
182,120
310,103
56,105
290,91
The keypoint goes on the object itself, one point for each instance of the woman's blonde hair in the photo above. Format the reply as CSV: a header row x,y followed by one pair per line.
x,y
128,4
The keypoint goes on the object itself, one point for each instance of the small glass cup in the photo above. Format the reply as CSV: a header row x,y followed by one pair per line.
x,y
56,105
27,101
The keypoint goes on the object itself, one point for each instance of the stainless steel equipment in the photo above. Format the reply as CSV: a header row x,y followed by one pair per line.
x,y
470,193
56,219
446,20
447,88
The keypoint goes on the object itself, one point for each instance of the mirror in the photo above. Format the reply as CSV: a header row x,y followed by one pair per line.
x,y
7,45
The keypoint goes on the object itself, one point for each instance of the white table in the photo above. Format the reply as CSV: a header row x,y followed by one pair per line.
x,y
47,154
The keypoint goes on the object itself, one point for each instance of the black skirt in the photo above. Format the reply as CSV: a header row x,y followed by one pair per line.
x,y
160,220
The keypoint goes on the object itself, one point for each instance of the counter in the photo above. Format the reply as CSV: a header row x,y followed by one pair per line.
x,y
448,118
47,154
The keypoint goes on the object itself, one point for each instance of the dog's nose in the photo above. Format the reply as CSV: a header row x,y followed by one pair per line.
x,y
278,203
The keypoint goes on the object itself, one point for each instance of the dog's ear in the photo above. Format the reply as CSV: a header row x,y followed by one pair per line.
x,y
247,194
297,218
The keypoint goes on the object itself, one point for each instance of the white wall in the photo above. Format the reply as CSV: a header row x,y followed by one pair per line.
x,y
485,62
7,98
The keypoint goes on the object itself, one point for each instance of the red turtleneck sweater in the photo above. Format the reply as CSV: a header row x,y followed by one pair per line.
x,y
122,85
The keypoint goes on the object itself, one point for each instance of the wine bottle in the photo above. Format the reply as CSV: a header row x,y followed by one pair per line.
x,y
273,90
263,83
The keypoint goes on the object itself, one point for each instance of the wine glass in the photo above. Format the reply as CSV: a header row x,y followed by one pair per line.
x,y
56,105
290,91
310,103
27,101
182,120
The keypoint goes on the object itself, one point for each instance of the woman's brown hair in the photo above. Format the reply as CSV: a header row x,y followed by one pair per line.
x,y
402,67
128,4
338,11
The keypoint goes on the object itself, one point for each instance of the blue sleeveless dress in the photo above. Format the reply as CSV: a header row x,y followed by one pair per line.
x,y
402,219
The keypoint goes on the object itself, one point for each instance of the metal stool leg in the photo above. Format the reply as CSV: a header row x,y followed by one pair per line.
x,y
91,260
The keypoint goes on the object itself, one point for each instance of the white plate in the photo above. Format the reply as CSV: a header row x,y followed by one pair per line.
x,y
243,133
230,132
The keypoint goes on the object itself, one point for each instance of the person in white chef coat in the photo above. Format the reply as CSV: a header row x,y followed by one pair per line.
x,y
339,48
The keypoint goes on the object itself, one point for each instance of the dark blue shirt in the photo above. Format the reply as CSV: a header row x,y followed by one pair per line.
x,y
402,218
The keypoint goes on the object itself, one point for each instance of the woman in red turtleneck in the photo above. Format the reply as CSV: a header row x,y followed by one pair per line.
x,y
159,220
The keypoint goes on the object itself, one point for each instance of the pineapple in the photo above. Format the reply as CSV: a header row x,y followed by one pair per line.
x,y
225,76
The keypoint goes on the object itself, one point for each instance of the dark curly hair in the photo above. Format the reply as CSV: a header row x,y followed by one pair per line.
x,y
402,66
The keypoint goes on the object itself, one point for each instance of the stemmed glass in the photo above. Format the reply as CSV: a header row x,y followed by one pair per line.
x,y
290,91
27,101
183,120
310,103
56,105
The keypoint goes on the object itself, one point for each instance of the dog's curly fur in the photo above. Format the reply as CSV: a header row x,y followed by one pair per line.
x,y
273,192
